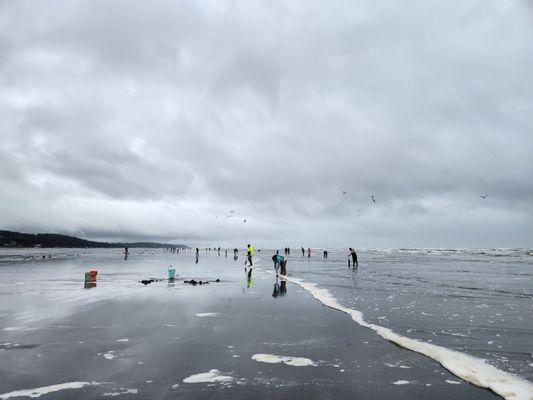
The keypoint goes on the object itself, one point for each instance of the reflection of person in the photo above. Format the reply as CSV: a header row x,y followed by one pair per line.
x,y
353,254
283,287
275,292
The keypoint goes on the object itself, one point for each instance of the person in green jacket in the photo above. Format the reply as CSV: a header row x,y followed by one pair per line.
x,y
250,254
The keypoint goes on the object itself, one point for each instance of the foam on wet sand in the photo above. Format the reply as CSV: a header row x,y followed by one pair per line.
x,y
214,375
292,361
471,369
38,392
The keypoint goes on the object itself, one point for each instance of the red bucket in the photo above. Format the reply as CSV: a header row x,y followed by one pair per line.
x,y
93,274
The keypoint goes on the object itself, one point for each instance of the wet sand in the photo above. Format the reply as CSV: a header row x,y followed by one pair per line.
x,y
214,341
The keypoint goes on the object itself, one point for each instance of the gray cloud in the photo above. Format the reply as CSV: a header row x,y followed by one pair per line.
x,y
122,120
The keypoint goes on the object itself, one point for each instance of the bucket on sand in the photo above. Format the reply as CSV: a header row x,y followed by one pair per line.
x,y
171,272
90,279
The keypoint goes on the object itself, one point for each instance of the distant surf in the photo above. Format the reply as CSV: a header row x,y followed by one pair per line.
x,y
468,368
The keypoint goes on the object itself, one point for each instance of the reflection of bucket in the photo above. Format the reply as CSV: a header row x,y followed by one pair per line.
x,y
171,272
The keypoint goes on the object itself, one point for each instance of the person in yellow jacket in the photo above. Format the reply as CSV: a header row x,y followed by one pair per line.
x,y
250,254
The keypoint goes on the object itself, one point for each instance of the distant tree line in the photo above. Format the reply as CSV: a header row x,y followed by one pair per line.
x,y
18,239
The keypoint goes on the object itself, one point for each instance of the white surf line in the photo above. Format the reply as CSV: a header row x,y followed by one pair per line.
x,y
38,392
468,368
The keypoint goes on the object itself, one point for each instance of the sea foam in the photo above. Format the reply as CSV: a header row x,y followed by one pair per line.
x,y
293,361
38,392
213,375
468,368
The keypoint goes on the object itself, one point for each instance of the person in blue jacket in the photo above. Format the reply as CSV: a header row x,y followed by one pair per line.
x,y
277,261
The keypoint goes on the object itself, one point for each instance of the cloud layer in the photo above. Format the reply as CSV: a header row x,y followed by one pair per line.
x,y
122,120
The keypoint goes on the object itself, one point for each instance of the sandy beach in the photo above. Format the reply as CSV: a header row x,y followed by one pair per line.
x,y
231,339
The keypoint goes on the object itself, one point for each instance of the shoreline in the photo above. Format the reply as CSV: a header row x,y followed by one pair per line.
x,y
470,369
232,339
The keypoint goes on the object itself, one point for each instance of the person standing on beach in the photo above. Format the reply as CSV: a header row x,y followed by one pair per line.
x,y
303,251
309,252
353,254
250,254
325,254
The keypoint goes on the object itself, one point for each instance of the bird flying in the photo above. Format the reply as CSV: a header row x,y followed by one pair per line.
x,y
483,196
373,199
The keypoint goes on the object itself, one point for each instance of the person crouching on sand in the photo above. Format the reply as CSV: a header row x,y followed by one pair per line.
x,y
277,261
353,254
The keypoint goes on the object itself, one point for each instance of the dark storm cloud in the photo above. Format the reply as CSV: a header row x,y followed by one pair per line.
x,y
127,120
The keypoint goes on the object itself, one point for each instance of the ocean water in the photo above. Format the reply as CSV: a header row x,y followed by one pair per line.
x,y
478,302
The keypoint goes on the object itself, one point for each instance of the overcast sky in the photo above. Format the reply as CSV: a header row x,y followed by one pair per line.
x,y
124,120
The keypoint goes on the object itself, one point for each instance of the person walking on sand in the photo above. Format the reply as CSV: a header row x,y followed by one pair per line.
x,y
309,252
250,254
353,254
